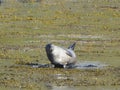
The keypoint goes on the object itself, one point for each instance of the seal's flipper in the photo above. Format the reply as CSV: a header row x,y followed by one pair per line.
x,y
69,54
72,46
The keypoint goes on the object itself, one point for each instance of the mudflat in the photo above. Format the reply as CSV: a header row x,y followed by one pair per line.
x,y
26,27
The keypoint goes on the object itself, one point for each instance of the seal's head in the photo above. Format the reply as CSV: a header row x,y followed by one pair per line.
x,y
48,48
49,52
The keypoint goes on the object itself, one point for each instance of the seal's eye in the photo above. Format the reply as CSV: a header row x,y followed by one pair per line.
x,y
51,49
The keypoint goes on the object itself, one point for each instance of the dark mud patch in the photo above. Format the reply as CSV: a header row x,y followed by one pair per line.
x,y
29,1
110,7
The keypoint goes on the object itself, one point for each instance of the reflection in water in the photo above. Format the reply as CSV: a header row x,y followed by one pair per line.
x,y
60,76
63,88
90,65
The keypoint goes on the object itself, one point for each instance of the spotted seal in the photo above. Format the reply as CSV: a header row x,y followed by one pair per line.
x,y
61,57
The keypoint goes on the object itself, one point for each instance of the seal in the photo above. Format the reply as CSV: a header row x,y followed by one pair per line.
x,y
61,57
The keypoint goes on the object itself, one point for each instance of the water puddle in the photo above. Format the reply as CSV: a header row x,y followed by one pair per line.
x,y
63,88
79,65
90,65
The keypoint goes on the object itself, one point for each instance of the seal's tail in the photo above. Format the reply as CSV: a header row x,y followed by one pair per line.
x,y
72,46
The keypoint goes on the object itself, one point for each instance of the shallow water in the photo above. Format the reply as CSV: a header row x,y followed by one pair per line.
x,y
90,65
79,65
86,88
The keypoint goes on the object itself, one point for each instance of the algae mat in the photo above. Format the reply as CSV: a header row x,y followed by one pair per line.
x,y
26,27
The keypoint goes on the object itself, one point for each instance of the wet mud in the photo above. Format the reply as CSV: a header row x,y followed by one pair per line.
x,y
32,76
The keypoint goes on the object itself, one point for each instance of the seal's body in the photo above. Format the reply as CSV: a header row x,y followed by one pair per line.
x,y
61,57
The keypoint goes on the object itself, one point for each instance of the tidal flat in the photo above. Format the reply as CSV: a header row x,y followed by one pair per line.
x,y
26,27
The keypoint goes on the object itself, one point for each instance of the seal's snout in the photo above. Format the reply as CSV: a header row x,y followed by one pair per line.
x,y
48,48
